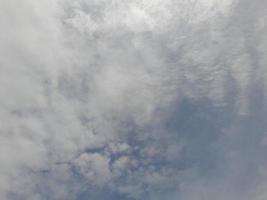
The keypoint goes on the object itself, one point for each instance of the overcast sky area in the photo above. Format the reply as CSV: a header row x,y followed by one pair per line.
x,y
133,100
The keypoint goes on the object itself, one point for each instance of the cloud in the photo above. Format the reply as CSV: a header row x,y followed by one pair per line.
x,y
133,99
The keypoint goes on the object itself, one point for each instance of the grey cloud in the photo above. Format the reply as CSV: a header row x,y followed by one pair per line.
x,y
133,99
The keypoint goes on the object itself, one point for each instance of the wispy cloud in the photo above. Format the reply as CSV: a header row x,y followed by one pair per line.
x,y
133,99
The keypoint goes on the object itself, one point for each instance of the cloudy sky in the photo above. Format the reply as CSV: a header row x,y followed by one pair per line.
x,y
133,100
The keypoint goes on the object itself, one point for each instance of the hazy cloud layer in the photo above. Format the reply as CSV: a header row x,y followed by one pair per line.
x,y
137,99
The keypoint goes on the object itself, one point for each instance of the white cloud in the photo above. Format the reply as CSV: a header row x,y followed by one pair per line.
x,y
135,97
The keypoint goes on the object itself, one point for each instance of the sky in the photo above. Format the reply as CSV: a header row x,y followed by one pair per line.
x,y
133,100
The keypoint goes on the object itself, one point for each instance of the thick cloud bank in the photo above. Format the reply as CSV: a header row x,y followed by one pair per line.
x,y
133,99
